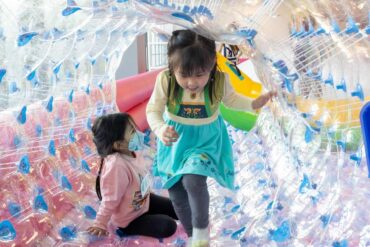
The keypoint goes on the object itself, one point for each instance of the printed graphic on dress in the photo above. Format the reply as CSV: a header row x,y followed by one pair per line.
x,y
192,111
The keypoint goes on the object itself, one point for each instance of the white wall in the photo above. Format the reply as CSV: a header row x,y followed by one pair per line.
x,y
134,59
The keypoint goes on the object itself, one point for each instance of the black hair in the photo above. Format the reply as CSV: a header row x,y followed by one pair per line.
x,y
106,131
192,53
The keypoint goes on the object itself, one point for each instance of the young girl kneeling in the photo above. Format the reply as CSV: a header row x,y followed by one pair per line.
x,y
120,184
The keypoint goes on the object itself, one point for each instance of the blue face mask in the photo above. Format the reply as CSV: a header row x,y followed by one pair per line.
x,y
136,142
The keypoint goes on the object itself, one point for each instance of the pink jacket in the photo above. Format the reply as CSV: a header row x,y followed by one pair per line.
x,y
120,181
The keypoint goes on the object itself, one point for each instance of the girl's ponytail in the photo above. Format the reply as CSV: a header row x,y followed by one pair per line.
x,y
97,184
212,86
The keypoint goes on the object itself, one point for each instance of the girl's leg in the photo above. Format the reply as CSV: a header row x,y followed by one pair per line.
x,y
156,226
180,201
161,205
197,190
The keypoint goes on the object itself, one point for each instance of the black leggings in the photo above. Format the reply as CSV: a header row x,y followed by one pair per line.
x,y
158,222
190,198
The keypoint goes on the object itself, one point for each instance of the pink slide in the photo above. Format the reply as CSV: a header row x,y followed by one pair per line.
x,y
133,94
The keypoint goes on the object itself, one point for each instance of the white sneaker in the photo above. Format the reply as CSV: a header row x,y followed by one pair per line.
x,y
189,242
200,243
200,237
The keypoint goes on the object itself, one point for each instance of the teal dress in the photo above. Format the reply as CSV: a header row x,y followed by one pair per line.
x,y
201,149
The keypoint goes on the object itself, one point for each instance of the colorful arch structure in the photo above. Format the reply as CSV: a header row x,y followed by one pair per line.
x,y
243,85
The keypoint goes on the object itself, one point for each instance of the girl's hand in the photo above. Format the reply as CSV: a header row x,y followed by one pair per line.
x,y
169,135
263,99
93,230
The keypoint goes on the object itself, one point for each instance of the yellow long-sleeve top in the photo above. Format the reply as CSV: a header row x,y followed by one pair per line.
x,y
191,110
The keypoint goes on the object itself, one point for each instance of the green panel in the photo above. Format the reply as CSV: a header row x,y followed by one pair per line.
x,y
239,119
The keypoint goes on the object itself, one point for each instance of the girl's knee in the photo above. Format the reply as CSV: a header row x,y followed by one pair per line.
x,y
168,228
180,204
194,182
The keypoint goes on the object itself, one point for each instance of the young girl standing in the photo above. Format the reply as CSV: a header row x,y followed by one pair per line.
x,y
125,197
194,142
